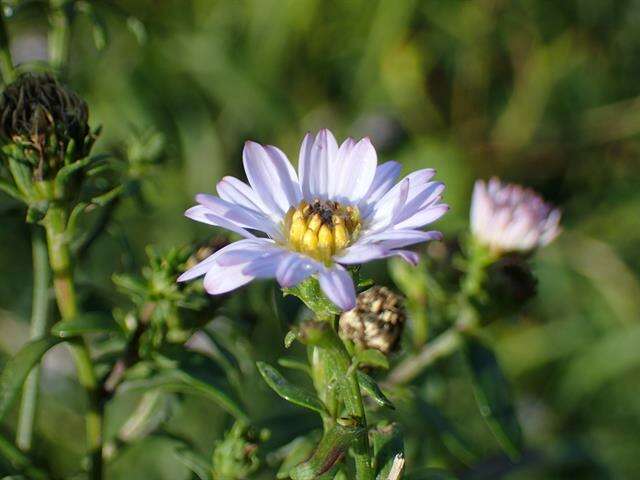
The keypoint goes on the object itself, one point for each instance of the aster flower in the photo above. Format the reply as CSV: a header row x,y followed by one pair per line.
x,y
511,218
342,208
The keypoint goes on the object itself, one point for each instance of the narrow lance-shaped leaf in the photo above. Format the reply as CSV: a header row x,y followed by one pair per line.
x,y
288,391
86,323
329,452
372,358
297,452
194,462
372,389
493,395
17,369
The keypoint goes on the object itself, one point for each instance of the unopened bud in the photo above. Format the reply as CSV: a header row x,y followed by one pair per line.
x,y
376,322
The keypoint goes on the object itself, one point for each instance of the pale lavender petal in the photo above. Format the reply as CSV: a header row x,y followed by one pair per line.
x,y
420,198
220,279
387,208
294,268
271,176
236,191
314,164
407,255
337,167
241,246
200,213
337,285
356,254
356,172
386,175
424,216
392,239
240,216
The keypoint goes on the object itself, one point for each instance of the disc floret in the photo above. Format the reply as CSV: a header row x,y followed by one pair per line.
x,y
321,228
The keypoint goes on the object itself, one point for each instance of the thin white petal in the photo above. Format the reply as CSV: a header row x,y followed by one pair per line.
x,y
337,285
314,164
356,172
271,176
200,213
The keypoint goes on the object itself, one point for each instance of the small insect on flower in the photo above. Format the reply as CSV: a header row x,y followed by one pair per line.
x,y
510,218
342,208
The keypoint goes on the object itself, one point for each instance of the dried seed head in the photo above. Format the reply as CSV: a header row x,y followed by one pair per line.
x,y
376,322
43,118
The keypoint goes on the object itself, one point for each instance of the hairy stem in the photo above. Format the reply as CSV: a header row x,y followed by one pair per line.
x,y
39,313
60,261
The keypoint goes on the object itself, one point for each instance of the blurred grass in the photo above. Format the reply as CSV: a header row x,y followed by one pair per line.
x,y
540,92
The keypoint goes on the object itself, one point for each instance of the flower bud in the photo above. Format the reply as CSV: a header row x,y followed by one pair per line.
x,y
509,218
44,124
376,322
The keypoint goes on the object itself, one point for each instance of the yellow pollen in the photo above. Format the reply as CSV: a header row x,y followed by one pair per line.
x,y
321,229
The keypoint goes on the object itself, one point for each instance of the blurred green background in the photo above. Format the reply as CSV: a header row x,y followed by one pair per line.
x,y
540,92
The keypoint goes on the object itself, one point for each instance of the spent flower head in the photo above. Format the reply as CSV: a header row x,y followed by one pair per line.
x,y
341,208
376,322
510,218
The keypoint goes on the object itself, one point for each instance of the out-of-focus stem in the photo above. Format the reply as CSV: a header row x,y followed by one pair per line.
x,y
6,63
58,35
451,339
39,310
20,461
60,261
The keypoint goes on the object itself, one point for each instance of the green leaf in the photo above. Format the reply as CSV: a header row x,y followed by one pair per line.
x,y
372,358
195,462
310,293
288,391
294,365
17,369
387,442
330,451
296,452
181,382
493,396
372,389
86,323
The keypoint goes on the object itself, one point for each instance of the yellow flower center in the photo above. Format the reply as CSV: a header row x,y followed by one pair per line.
x,y
321,228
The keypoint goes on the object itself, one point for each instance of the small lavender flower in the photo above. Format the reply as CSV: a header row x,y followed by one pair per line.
x,y
340,209
510,218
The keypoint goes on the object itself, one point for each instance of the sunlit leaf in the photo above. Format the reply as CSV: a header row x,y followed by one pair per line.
x,y
372,358
330,450
372,389
493,395
288,391
297,452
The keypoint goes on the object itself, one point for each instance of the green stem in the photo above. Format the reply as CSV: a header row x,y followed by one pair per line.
x,y
6,62
59,258
58,35
20,461
338,365
39,310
